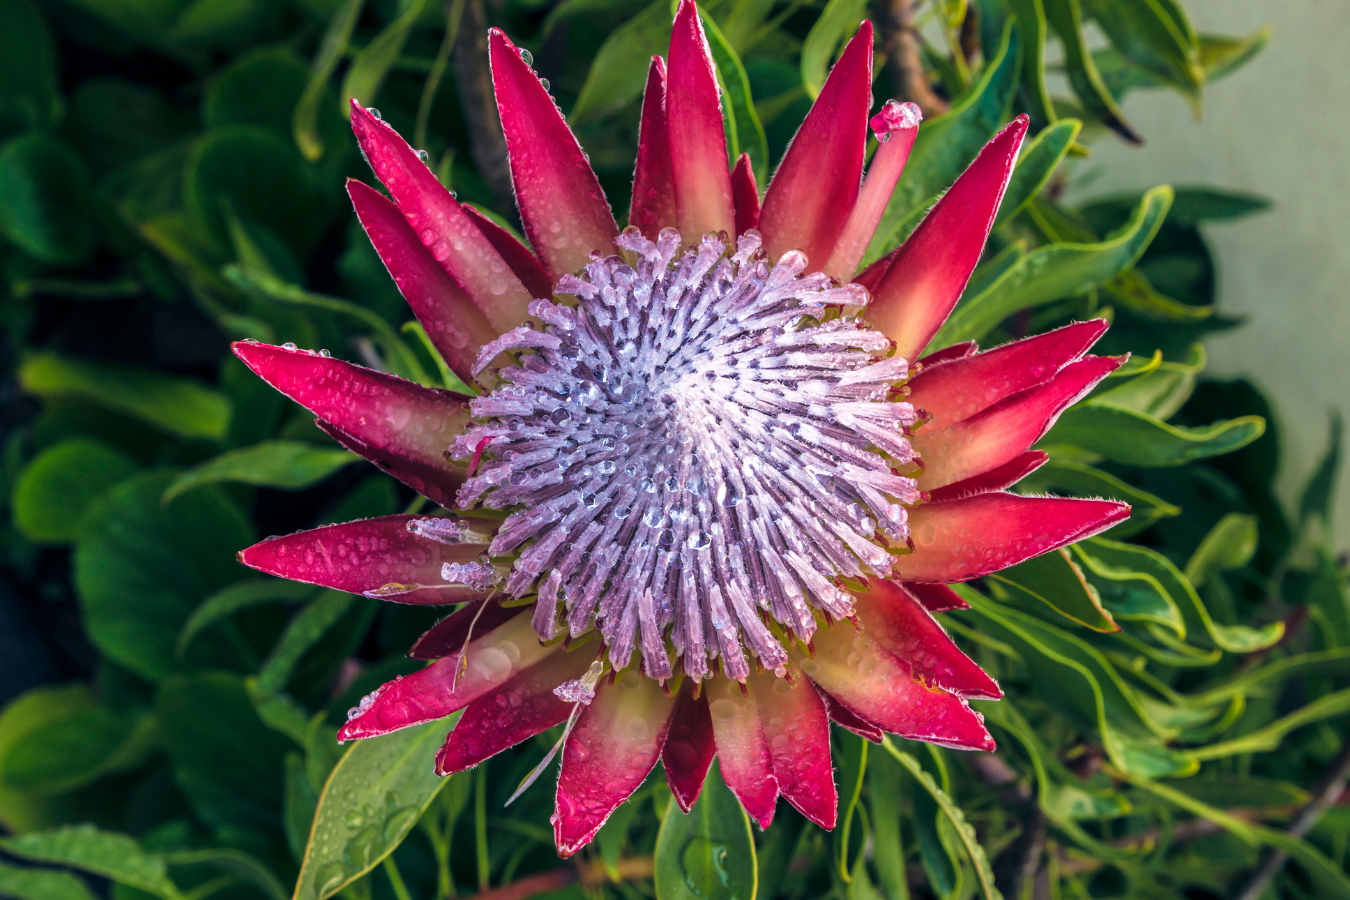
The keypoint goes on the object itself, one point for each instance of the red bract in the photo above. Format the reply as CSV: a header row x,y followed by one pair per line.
x,y
723,637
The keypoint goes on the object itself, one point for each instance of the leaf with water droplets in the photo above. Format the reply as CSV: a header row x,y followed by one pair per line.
x,y
376,793
114,856
708,854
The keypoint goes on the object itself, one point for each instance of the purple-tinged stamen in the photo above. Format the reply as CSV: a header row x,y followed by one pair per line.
x,y
696,451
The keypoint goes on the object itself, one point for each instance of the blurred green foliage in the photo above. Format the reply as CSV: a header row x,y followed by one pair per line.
x,y
171,176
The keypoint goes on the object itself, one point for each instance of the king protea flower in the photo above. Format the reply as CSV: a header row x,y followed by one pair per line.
x,y
712,491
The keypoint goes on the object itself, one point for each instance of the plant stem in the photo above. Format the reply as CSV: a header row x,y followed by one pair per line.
x,y
1324,794
900,42
396,879
591,875
454,13
480,826
474,79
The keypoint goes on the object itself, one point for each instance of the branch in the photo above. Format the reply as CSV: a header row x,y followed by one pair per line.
x,y
474,80
591,874
900,43
1325,793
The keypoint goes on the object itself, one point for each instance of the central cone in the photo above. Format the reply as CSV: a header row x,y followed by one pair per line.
x,y
693,454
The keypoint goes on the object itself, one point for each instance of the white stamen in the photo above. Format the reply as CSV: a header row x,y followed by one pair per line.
x,y
697,442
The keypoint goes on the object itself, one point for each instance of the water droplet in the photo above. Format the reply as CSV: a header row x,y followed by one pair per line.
x,y
560,415
606,467
705,868
424,156
374,112
491,664
544,82
526,57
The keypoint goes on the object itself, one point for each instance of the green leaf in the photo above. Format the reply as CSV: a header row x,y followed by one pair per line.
x,y
979,861
708,854
1133,438
1269,738
1131,595
1161,391
852,773
259,88
1230,791
1067,19
1062,795
1054,579
233,862
30,711
1156,35
52,495
45,192
178,405
1329,595
78,748
1132,290
1221,55
939,859
1318,496
235,598
41,884
227,762
1082,480
1328,878
1031,20
29,94
836,25
288,465
375,795
399,354
303,632
619,69
746,132
332,47
1229,545
1057,271
114,856
263,179
142,568
883,782
947,144
1195,205
1036,163
298,805
1146,561
1088,688
372,64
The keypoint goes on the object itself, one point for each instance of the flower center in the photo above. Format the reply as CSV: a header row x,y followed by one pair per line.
x,y
694,454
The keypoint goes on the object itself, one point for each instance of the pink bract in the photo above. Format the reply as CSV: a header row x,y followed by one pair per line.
x,y
694,663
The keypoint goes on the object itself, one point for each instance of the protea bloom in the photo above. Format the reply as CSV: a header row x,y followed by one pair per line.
x,y
710,500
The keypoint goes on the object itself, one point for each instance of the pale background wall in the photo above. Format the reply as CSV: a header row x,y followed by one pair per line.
x,y
1281,128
